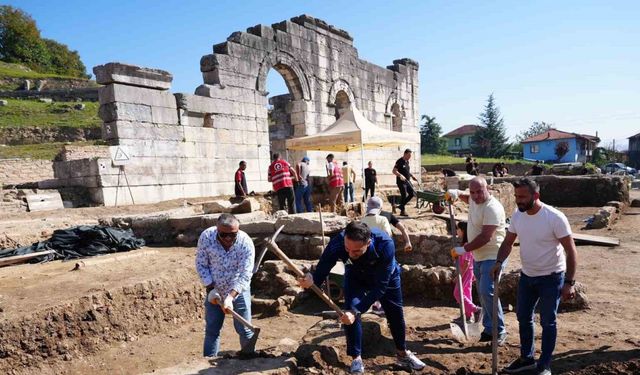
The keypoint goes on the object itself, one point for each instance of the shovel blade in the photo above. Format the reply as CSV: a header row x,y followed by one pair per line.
x,y
457,332
250,346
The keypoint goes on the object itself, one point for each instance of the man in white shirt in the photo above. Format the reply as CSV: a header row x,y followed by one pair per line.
x,y
486,231
547,273
224,262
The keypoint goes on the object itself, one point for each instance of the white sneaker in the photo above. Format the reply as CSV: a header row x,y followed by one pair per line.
x,y
357,367
411,361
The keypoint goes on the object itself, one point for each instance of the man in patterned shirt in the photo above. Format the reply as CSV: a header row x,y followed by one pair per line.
x,y
224,261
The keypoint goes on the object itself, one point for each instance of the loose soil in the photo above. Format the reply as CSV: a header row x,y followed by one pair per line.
x,y
602,340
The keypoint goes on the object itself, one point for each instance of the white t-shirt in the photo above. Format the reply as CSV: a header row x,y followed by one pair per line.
x,y
377,221
490,212
540,249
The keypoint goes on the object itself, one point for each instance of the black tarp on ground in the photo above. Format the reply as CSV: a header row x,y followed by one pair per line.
x,y
81,241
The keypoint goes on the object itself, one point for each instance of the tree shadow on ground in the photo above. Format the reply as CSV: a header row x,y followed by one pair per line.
x,y
601,358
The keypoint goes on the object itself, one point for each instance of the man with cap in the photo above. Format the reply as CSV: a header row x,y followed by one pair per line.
x,y
303,188
373,219
403,174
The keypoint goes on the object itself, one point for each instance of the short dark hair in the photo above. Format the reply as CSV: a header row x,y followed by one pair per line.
x,y
227,220
242,162
528,183
276,156
330,156
407,151
356,231
344,163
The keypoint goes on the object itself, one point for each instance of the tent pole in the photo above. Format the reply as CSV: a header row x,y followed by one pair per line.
x,y
362,157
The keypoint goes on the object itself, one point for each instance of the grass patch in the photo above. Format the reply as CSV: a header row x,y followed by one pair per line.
x,y
45,151
433,159
20,113
20,71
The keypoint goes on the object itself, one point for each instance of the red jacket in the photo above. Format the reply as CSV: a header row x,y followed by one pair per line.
x,y
280,174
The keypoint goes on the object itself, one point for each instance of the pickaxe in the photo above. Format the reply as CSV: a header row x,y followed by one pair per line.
x,y
276,250
250,346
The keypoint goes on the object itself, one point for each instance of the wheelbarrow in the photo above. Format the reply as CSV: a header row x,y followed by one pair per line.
x,y
424,199
435,199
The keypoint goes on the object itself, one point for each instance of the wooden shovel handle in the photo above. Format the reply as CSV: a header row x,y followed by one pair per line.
x,y
276,250
242,320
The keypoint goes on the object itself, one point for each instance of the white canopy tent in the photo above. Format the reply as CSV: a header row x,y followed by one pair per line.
x,y
352,131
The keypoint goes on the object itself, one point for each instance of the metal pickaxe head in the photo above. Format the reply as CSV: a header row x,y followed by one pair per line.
x,y
214,297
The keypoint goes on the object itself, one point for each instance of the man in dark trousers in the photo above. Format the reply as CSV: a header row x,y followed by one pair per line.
x,y
282,179
370,180
549,262
371,274
537,169
403,174
241,180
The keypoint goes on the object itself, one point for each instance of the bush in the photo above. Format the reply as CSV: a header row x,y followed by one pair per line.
x,y
20,42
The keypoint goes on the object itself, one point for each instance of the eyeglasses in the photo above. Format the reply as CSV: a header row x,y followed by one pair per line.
x,y
229,235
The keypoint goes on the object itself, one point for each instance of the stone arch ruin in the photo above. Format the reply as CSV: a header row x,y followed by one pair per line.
x,y
189,145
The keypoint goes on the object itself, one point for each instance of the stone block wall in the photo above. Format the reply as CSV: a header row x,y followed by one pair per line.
x,y
21,171
186,145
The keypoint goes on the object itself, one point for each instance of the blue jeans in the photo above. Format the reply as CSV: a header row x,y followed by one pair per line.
x,y
391,303
482,272
303,193
214,319
544,291
348,192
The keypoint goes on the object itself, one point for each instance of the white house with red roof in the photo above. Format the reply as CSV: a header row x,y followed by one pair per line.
x,y
544,145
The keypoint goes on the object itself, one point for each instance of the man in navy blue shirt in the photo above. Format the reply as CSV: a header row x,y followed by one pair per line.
x,y
371,274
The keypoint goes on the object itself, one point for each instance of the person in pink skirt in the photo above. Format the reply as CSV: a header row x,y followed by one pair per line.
x,y
465,262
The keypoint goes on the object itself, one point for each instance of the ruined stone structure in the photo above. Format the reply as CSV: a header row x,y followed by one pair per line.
x,y
187,145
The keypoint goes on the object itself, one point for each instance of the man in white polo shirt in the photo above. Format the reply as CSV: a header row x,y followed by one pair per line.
x,y
485,230
546,275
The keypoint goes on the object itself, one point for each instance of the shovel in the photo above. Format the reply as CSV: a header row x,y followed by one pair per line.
x,y
460,333
250,346
494,327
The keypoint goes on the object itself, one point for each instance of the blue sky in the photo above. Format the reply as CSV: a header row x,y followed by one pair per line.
x,y
571,63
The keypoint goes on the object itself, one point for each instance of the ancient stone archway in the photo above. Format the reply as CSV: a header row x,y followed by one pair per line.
x,y
190,145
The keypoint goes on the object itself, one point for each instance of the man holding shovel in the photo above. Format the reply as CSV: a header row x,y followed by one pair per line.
x,y
371,274
547,273
485,231
224,261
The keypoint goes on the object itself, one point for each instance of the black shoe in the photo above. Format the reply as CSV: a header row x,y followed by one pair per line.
x,y
520,365
485,337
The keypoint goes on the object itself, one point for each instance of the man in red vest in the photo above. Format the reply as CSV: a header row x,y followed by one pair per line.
x,y
336,182
281,177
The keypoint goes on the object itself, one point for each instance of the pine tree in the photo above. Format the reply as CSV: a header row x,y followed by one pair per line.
x,y
430,141
490,140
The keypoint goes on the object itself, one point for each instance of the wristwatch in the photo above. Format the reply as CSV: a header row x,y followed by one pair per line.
x,y
570,282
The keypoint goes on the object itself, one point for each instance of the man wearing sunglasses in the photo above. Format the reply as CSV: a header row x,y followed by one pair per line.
x,y
224,261
371,274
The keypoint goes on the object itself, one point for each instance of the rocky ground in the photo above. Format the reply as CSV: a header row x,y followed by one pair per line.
x,y
142,314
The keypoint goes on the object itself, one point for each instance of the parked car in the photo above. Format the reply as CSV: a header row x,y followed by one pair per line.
x,y
618,168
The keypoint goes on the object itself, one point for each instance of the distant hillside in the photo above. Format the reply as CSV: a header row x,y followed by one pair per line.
x,y
13,76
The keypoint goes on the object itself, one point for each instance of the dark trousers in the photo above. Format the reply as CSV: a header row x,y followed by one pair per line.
x,y
286,198
406,194
391,303
544,291
369,188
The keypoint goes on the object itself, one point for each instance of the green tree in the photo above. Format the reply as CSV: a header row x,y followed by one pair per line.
x,y
20,42
64,61
490,140
430,140
535,129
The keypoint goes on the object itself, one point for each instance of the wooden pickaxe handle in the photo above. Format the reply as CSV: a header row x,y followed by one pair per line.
x,y
242,320
276,250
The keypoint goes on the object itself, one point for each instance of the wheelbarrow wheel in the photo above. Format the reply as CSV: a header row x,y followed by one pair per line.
x,y
437,207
